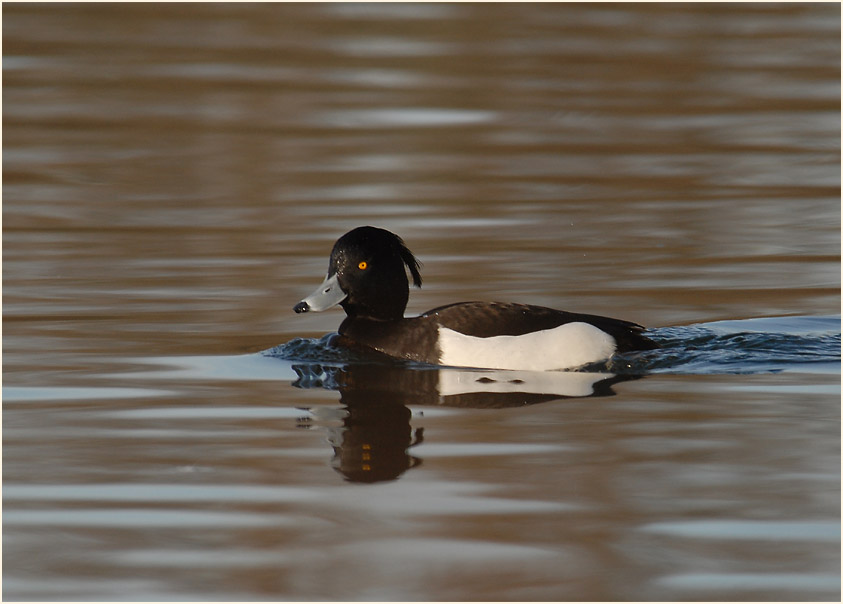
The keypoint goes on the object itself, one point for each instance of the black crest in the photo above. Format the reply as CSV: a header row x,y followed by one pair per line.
x,y
373,239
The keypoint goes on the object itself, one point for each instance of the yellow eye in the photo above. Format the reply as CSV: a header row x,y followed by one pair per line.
x,y
363,265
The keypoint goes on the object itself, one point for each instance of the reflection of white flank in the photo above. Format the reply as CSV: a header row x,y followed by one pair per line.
x,y
564,347
562,383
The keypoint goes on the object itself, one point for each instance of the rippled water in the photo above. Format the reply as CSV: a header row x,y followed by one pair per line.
x,y
173,179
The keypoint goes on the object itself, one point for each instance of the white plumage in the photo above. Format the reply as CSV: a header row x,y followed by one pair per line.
x,y
564,347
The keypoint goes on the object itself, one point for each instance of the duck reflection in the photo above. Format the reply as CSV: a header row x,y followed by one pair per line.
x,y
373,444
373,441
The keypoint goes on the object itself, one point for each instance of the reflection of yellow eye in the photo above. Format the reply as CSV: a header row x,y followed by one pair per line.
x,y
363,265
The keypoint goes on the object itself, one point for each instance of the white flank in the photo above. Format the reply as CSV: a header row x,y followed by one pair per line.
x,y
564,347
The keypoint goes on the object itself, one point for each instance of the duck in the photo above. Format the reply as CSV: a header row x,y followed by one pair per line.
x,y
368,277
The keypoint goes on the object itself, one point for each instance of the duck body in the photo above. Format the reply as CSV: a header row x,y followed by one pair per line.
x,y
367,277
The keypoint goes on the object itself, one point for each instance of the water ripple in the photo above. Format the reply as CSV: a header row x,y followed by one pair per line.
x,y
749,346
768,345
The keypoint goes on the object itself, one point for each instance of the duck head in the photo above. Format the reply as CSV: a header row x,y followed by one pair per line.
x,y
366,276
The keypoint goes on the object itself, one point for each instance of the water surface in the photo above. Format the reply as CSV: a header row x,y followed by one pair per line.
x,y
173,179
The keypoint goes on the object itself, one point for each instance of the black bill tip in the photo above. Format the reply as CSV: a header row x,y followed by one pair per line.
x,y
301,307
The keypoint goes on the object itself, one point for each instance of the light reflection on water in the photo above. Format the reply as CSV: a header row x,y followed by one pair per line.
x,y
173,187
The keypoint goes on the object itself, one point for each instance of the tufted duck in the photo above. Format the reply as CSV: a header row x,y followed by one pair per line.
x,y
367,277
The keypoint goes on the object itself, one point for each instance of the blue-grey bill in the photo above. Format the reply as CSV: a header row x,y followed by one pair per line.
x,y
326,296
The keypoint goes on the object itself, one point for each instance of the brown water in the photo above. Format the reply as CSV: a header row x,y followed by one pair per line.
x,y
174,177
